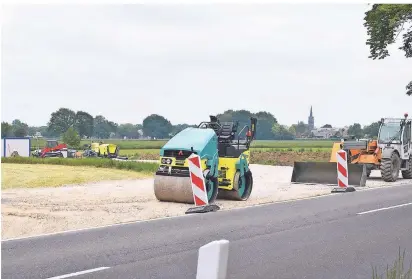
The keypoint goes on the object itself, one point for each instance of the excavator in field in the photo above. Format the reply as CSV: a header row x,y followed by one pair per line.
x,y
52,149
390,153
224,155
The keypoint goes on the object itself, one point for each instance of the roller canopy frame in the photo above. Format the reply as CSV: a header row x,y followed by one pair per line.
x,y
326,173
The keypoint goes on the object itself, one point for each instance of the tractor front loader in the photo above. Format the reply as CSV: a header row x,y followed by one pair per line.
x,y
224,161
391,153
52,149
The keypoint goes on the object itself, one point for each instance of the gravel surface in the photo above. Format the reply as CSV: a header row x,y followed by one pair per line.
x,y
27,212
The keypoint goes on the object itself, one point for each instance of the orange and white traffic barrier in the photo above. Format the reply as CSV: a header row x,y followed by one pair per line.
x,y
342,173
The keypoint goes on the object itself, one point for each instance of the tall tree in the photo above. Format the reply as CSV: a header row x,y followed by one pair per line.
x,y
156,126
71,137
6,129
180,127
355,130
103,127
301,128
61,120
84,124
371,130
292,130
282,132
265,122
44,131
128,130
384,23
20,129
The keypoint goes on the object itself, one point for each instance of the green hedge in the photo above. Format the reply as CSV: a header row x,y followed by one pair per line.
x,y
157,144
92,162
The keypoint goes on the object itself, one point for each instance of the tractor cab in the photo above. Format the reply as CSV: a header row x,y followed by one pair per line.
x,y
391,130
51,143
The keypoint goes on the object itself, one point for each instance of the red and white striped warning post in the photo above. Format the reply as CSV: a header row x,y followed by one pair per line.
x,y
342,164
197,180
343,173
198,187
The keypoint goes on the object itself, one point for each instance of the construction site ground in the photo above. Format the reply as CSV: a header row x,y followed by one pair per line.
x,y
29,212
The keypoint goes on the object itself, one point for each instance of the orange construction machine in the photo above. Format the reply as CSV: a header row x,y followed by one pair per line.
x,y
391,153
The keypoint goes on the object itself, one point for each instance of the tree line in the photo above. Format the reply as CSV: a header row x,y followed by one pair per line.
x,y
81,124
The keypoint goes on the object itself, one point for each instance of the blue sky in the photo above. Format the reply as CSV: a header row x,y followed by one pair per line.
x,y
186,62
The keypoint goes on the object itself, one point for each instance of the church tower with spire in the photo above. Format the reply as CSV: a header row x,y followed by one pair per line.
x,y
311,120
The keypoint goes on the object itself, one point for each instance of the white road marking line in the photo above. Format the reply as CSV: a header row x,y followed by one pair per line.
x,y
80,272
385,208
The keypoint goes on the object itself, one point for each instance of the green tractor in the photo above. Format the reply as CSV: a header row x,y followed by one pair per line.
x,y
224,155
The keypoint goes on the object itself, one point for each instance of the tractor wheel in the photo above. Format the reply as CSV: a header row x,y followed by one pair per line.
x,y
211,186
407,174
390,168
244,188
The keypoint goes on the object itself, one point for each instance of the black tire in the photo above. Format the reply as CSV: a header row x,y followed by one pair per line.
x,y
407,174
368,172
212,185
390,168
234,194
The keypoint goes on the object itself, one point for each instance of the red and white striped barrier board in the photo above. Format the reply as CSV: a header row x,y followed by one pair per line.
x,y
342,165
198,181
343,173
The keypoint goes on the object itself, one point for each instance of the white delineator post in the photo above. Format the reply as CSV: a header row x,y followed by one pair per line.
x,y
197,181
343,173
212,260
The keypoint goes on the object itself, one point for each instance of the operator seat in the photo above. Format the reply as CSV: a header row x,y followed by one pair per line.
x,y
227,132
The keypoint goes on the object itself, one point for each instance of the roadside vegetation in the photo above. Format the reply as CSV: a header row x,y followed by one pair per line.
x,y
157,144
140,167
269,152
396,271
281,153
38,175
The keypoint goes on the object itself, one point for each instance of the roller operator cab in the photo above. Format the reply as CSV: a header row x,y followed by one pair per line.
x,y
224,155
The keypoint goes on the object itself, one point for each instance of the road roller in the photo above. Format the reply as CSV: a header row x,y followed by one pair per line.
x,y
224,153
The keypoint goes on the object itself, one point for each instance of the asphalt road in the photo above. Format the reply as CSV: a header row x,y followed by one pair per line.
x,y
317,238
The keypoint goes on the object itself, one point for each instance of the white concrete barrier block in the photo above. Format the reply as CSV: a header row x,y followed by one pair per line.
x,y
212,260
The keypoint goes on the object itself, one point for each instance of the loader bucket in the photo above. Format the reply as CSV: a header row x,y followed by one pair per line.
x,y
326,173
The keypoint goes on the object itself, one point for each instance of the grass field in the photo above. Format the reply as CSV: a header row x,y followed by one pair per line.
x,y
146,168
157,144
40,175
266,156
153,154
